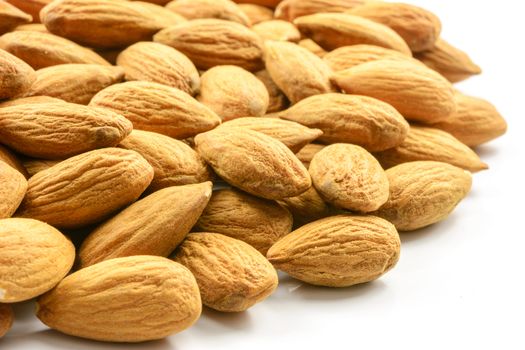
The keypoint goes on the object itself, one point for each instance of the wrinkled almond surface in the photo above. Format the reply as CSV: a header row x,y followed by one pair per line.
x,y
16,75
219,9
13,187
278,30
291,9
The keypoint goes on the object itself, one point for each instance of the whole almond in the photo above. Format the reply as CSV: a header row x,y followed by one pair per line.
x,y
338,251
334,30
160,64
11,17
155,225
16,75
158,108
418,93
76,83
313,47
131,299
6,318
105,180
256,13
233,92
297,72
59,130
307,153
306,207
34,165
254,162
214,42
278,101
219,9
42,50
11,159
349,177
291,9
258,222
278,30
423,193
13,187
31,7
232,275
35,257
361,120
424,143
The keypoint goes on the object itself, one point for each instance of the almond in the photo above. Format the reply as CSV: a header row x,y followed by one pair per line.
x,y
306,207
31,7
6,318
349,177
219,9
16,75
131,299
256,13
158,108
34,166
291,9
418,93
307,153
423,193
313,47
278,101
278,30
254,162
8,157
338,251
163,16
29,100
361,120
232,275
13,187
105,180
59,130
11,17
267,3
35,257
32,27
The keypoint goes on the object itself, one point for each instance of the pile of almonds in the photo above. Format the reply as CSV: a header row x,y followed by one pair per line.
x,y
159,156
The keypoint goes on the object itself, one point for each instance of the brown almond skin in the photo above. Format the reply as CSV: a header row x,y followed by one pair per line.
x,y
6,318
41,50
154,225
423,193
31,7
75,83
258,222
296,71
254,162
111,300
232,92
60,130
13,187
174,162
158,108
256,13
418,93
105,180
219,9
334,30
17,76
291,9
232,275
231,43
424,143
306,207
11,159
34,165
307,153
35,257
349,177
161,64
278,30
338,251
364,121
11,17
278,101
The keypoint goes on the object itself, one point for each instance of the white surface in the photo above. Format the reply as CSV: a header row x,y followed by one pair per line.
x,y
459,283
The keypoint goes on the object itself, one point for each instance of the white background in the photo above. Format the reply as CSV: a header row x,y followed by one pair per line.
x,y
459,284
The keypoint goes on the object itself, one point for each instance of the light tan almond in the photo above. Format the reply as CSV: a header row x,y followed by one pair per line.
x,y
131,299
34,165
291,9
16,75
32,27
105,180
256,13
232,275
423,193
6,318
258,222
160,64
163,16
219,9
277,30
267,3
35,257
31,7
13,187
214,42
307,153
418,93
349,177
338,251
254,162
11,17
278,101
313,47
158,108
8,157
29,100
59,130
233,92
361,120
306,207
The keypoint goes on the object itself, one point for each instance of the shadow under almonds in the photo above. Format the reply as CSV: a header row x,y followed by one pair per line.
x,y
231,320
430,232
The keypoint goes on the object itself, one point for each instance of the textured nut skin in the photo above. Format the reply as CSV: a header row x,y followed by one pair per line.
x,y
154,225
34,256
236,214
59,130
131,299
254,162
13,187
256,13
162,16
360,120
31,7
233,92
11,17
219,9
34,165
307,153
214,42
173,161
160,64
296,71
338,251
423,143
75,83
334,30
29,100
41,50
349,177
8,157
278,30
6,318
278,101
158,108
423,193
291,9
105,180
418,93
231,274
306,207
17,76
